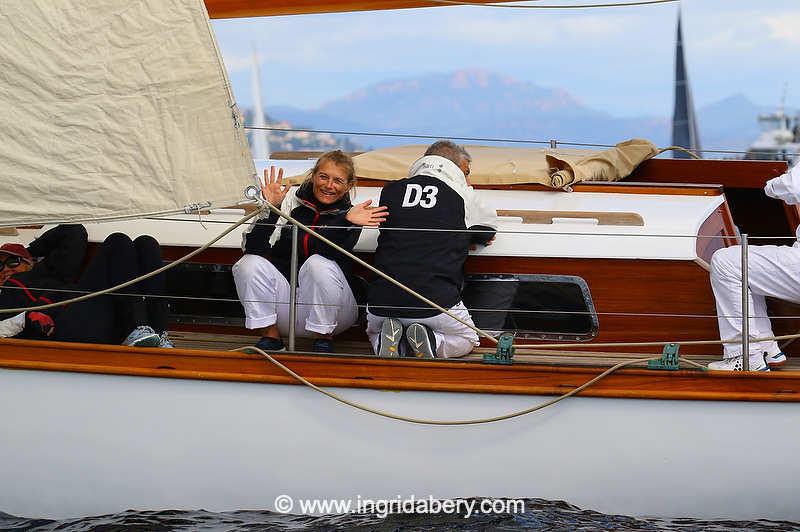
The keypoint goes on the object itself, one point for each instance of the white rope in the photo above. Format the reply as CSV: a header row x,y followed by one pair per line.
x,y
439,422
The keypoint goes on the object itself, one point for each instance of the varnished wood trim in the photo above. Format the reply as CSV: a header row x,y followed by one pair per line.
x,y
731,173
261,8
603,218
398,374
715,233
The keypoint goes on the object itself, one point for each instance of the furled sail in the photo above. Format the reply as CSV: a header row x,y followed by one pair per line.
x,y
496,165
113,109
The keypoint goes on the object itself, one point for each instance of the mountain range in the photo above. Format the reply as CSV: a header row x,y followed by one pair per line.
x,y
476,103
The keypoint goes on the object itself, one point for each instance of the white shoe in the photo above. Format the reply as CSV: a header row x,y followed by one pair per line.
x,y
735,364
142,336
775,360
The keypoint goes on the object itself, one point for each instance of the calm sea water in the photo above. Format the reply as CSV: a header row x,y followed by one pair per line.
x,y
539,515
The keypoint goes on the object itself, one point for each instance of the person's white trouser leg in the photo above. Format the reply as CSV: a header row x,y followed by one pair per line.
x,y
261,289
325,303
329,306
774,271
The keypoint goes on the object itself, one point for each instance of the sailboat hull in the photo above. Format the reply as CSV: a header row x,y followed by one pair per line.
x,y
78,444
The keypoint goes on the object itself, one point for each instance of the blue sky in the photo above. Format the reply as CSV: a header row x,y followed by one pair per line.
x,y
617,59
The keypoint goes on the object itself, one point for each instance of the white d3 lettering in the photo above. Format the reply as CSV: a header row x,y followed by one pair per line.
x,y
416,195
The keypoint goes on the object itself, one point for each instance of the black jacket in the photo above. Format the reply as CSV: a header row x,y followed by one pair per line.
x,y
61,252
429,262
328,220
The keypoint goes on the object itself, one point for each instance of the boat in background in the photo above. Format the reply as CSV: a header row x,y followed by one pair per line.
x,y
779,139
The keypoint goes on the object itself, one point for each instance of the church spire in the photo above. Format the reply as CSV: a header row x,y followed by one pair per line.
x,y
684,121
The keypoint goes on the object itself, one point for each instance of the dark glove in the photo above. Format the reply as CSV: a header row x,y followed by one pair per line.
x,y
38,325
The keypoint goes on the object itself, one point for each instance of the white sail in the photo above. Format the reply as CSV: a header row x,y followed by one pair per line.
x,y
113,109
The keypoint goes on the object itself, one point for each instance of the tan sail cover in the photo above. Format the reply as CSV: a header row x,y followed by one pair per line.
x,y
114,108
504,166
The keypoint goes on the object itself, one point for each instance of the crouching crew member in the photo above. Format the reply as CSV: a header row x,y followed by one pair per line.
x,y
436,195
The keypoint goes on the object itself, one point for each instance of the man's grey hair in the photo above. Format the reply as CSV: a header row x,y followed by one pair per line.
x,y
449,150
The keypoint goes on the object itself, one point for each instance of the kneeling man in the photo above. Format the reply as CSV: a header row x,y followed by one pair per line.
x,y
436,195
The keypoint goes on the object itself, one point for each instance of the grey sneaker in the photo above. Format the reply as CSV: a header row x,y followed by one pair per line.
x,y
421,340
776,360
142,336
391,335
164,341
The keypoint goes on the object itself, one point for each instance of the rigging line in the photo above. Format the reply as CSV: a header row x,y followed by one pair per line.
x,y
655,344
478,139
573,6
471,309
398,135
140,278
511,232
479,421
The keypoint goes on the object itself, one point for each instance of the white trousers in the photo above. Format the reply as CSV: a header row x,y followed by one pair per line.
x,y
325,303
453,339
773,271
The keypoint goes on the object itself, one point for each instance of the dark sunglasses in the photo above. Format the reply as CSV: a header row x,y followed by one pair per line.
x,y
12,261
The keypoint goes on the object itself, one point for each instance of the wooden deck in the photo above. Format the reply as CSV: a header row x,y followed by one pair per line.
x,y
576,357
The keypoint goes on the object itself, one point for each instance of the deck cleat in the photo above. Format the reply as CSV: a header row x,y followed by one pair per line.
x,y
505,350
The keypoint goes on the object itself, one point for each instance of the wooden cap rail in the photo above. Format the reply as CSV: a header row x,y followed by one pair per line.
x,y
397,374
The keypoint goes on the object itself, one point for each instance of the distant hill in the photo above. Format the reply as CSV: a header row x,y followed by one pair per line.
x,y
476,103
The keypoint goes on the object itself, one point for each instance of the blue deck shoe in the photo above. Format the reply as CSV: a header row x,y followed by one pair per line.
x,y
270,345
322,345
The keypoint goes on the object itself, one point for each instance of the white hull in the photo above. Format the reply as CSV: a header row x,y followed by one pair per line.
x,y
79,444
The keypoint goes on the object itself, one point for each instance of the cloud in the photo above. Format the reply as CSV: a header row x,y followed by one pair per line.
x,y
784,28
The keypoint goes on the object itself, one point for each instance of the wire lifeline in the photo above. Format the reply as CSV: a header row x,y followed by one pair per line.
x,y
480,139
472,309
479,421
140,278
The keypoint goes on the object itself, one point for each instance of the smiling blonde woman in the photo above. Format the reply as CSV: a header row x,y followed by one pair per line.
x,y
325,302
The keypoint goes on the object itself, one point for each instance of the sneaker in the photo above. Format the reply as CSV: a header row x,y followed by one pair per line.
x,y
165,342
421,340
322,345
735,364
142,336
776,360
391,334
269,344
